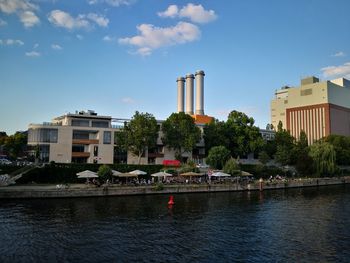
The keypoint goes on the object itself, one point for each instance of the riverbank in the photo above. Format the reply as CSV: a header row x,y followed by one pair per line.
x,y
82,190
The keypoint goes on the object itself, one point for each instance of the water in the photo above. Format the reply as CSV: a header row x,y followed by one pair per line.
x,y
300,225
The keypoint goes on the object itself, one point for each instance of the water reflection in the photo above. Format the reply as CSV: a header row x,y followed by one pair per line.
x,y
287,225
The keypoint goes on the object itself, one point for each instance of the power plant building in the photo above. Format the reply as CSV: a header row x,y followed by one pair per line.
x,y
317,108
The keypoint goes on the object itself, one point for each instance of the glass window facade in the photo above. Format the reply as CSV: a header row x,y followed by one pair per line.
x,y
101,124
81,123
81,135
43,135
107,137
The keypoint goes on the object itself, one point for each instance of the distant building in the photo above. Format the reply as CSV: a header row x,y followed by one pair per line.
x,y
83,137
317,108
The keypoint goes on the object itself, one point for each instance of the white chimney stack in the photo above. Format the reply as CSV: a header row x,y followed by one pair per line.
x,y
180,94
189,94
200,92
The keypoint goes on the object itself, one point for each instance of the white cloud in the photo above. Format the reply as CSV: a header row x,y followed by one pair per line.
x,y
29,19
128,100
63,19
109,38
172,11
196,13
98,19
3,22
80,37
11,42
36,45
151,37
24,10
339,54
33,54
56,47
13,6
337,71
115,3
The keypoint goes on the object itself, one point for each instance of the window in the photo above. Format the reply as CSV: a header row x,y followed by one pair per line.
x,y
81,123
101,124
107,137
43,135
78,148
95,151
80,135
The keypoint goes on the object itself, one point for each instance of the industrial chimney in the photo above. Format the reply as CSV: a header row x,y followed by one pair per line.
x,y
200,92
189,94
180,94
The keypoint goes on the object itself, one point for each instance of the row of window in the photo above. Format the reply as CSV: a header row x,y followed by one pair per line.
x,y
86,123
51,136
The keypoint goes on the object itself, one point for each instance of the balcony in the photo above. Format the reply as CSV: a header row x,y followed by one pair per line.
x,y
81,154
85,141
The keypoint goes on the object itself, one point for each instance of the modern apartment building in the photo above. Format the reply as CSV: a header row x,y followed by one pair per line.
x,y
82,137
317,108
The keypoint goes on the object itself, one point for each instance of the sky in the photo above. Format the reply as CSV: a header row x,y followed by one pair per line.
x,y
121,56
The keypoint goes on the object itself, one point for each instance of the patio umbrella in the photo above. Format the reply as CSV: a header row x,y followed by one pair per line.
x,y
116,173
220,174
126,175
243,173
161,174
191,174
138,172
87,174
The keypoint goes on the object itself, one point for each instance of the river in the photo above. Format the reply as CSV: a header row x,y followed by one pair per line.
x,y
295,225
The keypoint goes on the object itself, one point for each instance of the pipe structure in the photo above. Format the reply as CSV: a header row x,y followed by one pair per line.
x,y
200,92
180,94
189,93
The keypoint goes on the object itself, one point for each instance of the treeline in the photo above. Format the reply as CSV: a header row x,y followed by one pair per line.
x,y
13,146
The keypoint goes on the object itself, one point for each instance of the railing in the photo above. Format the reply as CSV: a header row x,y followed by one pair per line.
x,y
85,141
80,154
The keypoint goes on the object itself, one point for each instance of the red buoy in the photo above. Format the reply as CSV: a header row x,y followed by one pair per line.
x,y
171,200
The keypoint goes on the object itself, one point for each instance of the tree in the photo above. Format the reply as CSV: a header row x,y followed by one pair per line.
x,y
215,134
341,146
231,167
180,133
104,172
303,162
15,145
324,158
217,157
284,146
264,157
244,137
139,134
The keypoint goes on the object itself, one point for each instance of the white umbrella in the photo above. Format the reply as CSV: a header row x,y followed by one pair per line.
x,y
87,174
138,172
116,173
220,174
161,174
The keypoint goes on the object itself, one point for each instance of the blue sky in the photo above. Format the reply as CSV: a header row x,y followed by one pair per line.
x,y
119,56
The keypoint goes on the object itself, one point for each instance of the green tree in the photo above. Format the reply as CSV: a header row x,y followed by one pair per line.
x,y
341,146
139,134
215,134
217,157
284,146
303,162
180,133
104,172
324,158
264,157
231,167
244,137
15,145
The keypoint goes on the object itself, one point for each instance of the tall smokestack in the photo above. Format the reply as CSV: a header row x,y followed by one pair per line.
x,y
200,92
180,94
189,93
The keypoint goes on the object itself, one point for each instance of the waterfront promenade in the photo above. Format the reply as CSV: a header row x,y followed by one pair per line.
x,y
82,190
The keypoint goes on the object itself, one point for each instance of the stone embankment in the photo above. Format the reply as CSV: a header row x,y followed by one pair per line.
x,y
80,190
